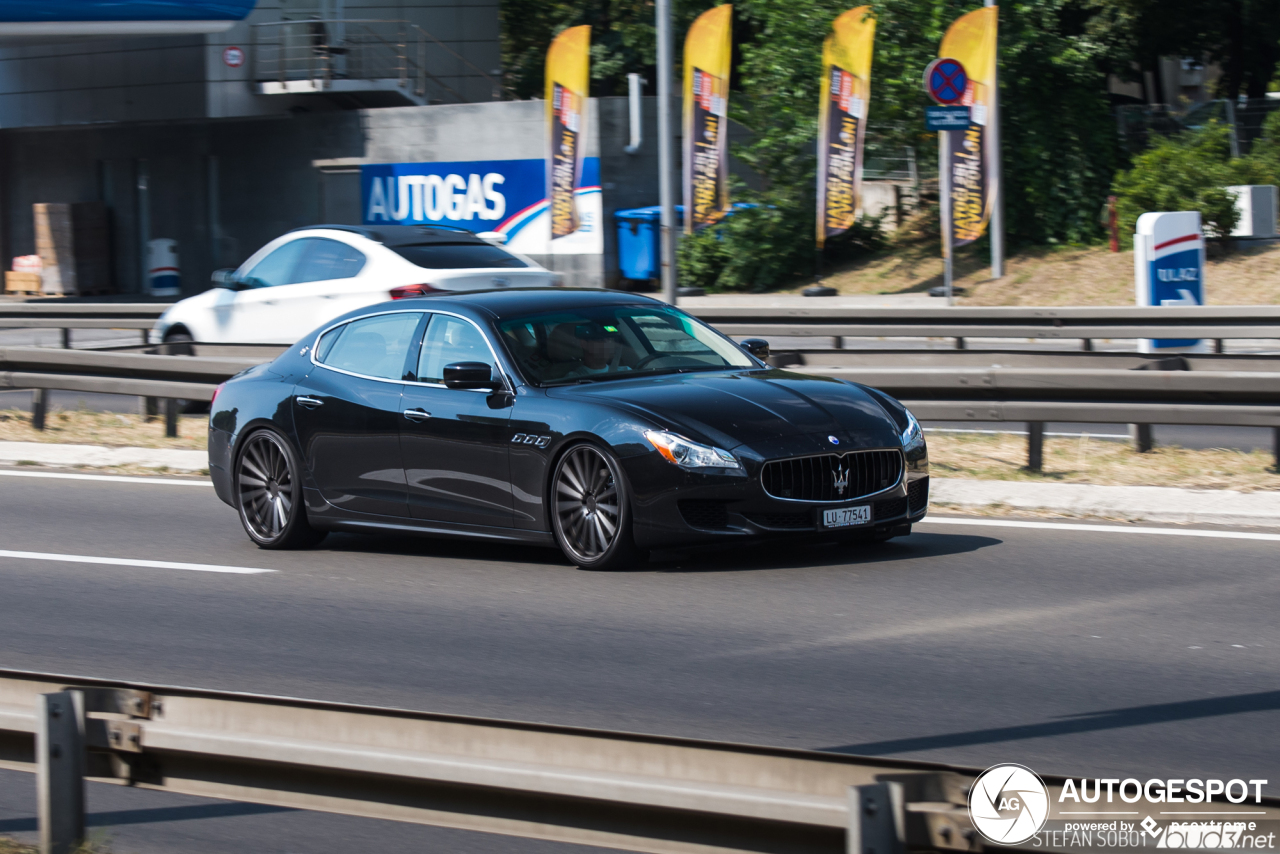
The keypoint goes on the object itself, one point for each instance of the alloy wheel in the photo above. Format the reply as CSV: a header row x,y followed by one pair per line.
x,y
587,504
265,481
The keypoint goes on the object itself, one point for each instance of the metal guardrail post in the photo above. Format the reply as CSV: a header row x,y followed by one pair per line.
x,y
1035,446
39,404
60,758
170,418
1275,448
876,820
66,338
1141,435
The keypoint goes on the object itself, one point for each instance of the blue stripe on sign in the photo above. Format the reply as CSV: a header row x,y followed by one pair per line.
x,y
124,10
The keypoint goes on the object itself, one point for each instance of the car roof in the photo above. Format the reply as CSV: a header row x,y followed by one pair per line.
x,y
405,235
505,303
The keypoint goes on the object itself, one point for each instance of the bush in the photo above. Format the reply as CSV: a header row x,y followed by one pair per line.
x,y
765,246
1190,172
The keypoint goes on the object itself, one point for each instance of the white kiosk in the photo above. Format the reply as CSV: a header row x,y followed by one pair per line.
x,y
1168,269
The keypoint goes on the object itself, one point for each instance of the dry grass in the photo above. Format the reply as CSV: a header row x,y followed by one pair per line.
x,y
1055,276
81,427
1099,461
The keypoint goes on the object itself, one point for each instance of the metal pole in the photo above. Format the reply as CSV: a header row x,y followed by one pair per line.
x,y
60,771
665,196
993,143
944,206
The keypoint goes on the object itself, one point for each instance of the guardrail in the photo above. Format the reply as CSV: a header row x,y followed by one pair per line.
x,y
1033,394
168,378
57,314
1216,323
591,787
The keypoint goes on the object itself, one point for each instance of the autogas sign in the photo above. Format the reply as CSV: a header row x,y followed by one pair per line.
x,y
507,196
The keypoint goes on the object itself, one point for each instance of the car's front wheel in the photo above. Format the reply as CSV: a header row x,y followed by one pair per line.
x,y
591,509
269,494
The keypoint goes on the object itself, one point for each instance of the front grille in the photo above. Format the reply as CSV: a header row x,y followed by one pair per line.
x,y
918,493
784,521
815,478
890,509
704,514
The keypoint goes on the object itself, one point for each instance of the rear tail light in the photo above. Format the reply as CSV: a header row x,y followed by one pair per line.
x,y
406,291
214,399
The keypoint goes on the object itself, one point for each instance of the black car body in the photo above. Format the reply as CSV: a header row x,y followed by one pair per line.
x,y
399,447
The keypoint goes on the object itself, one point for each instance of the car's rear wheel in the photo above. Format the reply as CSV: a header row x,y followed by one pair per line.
x,y
269,494
591,509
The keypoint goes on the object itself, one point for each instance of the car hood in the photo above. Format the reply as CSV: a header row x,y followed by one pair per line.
x,y
767,409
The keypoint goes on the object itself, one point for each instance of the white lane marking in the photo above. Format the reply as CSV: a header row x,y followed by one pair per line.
x,y
109,478
1103,529
146,564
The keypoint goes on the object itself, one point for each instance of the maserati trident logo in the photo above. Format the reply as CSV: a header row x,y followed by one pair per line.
x,y
841,475
833,440
1009,804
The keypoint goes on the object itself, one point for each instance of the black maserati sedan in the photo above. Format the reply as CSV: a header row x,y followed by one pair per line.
x,y
605,423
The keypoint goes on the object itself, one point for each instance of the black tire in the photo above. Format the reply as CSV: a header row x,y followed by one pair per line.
x,y
182,344
268,489
591,509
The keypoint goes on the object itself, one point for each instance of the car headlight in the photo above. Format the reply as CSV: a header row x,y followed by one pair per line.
x,y
913,436
690,455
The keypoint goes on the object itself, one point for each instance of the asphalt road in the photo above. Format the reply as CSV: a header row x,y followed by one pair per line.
x,y
1074,652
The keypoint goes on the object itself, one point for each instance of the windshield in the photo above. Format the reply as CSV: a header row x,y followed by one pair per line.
x,y
457,256
610,342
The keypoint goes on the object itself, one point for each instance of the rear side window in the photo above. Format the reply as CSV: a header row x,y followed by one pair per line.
x,y
325,259
371,347
458,256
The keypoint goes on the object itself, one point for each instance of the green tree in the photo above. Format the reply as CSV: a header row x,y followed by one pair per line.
x,y
1190,172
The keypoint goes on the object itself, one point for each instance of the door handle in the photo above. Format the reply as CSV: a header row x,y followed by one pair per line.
x,y
417,415
309,402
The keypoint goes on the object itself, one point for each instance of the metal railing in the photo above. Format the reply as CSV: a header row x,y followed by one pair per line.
x,y
322,51
568,784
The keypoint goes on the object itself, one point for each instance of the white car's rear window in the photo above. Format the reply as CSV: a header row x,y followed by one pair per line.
x,y
457,256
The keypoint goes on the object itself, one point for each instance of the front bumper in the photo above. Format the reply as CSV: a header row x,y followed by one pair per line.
x,y
673,507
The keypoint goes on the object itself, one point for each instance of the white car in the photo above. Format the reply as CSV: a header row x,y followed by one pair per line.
x,y
309,276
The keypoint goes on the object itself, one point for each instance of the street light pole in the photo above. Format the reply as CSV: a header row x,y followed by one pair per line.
x,y
665,195
993,137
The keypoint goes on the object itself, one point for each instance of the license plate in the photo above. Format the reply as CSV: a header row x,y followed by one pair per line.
x,y
846,516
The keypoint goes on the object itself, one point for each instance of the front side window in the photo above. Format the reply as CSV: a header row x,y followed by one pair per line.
x,y
458,256
603,342
449,340
371,347
277,268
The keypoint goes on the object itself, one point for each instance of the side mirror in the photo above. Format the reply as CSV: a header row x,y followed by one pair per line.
x,y
757,347
469,375
225,279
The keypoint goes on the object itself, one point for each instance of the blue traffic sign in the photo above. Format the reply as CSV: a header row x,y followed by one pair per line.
x,y
946,118
946,81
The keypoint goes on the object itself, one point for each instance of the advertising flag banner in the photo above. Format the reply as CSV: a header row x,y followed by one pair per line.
x,y
842,115
707,53
972,41
568,65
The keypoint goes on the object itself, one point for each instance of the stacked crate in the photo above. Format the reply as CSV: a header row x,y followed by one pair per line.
x,y
74,246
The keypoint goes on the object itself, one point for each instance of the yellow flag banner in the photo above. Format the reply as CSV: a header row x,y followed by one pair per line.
x,y
972,41
568,65
707,53
842,115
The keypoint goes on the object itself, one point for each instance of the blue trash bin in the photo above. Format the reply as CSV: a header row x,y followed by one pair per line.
x,y
639,238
